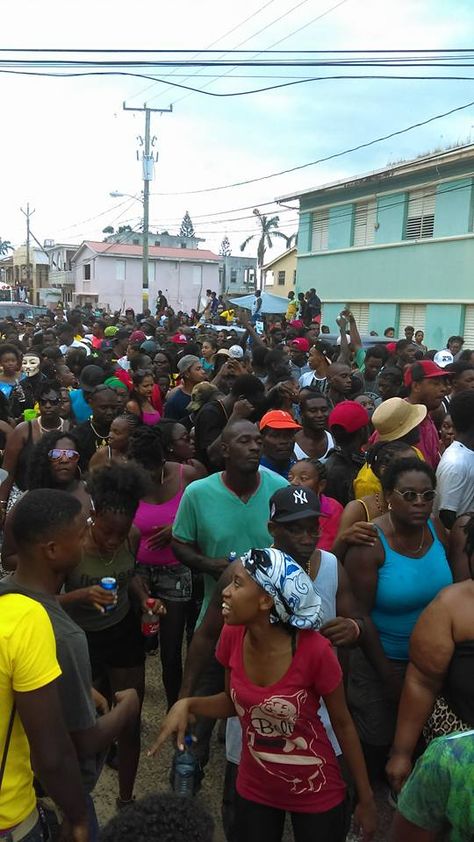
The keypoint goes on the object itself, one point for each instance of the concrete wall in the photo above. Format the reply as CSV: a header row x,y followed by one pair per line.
x,y
418,270
287,264
183,282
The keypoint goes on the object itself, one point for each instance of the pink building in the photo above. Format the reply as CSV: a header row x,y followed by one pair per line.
x,y
110,275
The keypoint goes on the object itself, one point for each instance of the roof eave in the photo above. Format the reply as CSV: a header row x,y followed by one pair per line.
x,y
404,168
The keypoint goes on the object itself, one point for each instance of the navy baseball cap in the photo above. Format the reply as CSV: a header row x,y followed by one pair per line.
x,y
294,503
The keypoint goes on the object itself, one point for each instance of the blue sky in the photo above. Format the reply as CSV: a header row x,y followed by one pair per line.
x,y
65,144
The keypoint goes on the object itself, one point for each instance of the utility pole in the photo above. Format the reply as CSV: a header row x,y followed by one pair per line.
x,y
148,162
28,214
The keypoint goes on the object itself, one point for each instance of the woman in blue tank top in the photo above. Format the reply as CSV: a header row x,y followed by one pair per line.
x,y
394,580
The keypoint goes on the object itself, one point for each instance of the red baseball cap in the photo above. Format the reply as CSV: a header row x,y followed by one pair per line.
x,y
137,337
300,344
349,415
391,347
179,339
279,420
423,370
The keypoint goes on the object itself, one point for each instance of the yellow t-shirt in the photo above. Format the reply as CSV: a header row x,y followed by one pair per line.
x,y
27,662
291,311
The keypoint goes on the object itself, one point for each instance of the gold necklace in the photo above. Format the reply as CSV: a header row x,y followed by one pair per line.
x,y
408,549
98,436
49,429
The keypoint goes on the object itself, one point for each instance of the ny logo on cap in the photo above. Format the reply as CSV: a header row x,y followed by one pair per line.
x,y
299,496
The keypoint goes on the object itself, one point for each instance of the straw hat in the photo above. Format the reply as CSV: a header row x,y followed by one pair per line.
x,y
395,417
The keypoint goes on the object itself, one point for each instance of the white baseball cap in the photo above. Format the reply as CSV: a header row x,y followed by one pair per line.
x,y
443,358
236,351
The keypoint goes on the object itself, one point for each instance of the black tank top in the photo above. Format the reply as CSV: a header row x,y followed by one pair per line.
x,y
459,684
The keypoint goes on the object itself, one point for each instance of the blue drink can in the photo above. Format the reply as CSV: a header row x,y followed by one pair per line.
x,y
108,583
232,556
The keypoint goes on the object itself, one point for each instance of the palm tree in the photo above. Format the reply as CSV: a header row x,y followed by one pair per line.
x,y
267,229
292,240
5,246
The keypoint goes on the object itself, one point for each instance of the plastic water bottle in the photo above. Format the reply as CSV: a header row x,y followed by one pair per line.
x,y
109,584
150,628
186,770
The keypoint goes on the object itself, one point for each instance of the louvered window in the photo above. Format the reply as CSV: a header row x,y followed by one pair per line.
x,y
319,240
420,214
468,331
361,315
411,314
364,223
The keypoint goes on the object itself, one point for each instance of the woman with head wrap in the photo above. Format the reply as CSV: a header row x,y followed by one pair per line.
x,y
277,669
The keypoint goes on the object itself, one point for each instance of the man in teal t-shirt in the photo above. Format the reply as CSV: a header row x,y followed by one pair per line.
x,y
226,512
438,797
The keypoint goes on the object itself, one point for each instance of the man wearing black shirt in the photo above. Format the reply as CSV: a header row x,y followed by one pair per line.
x,y
94,433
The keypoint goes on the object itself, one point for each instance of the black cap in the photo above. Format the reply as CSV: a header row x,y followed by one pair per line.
x,y
91,376
293,503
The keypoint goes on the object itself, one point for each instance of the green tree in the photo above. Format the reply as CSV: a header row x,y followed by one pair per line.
x,y
187,227
124,229
5,246
108,230
292,240
267,229
225,249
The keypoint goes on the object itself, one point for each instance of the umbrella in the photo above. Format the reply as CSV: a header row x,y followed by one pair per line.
x,y
270,303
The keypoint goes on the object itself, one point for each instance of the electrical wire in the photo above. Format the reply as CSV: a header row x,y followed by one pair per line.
x,y
331,157
207,49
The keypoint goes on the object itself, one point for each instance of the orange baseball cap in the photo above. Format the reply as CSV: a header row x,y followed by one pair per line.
x,y
279,420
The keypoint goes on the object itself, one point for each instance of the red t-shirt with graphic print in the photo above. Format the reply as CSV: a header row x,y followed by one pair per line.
x,y
287,760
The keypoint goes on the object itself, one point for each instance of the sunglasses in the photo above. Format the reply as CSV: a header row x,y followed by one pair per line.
x,y
51,401
412,496
56,455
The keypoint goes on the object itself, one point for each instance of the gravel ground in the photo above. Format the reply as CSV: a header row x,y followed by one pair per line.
x,y
153,772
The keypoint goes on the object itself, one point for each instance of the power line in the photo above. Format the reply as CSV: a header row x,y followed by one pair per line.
x,y
229,32
250,38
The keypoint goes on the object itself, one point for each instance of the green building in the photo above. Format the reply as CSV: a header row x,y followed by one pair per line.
x,y
395,245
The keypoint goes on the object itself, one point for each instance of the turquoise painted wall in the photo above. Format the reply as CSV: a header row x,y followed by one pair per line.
x,y
340,226
330,314
441,322
414,271
305,232
391,218
453,214
382,316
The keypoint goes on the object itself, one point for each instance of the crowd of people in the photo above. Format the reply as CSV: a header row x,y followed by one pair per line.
x,y
295,513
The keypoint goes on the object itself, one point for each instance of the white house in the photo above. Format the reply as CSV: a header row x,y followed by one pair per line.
x,y
110,275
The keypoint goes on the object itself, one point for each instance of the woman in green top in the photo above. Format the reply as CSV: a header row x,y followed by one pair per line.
x,y
111,625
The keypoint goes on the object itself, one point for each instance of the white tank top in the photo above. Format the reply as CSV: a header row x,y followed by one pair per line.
x,y
300,454
327,582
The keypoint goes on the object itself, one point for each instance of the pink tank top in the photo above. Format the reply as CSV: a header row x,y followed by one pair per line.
x,y
151,418
151,516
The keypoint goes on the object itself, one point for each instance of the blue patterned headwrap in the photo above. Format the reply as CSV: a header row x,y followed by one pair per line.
x,y
296,600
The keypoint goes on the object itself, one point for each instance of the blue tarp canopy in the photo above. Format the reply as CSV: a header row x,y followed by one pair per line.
x,y
270,303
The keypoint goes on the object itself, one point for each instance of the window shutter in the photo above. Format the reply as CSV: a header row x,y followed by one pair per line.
x,y
361,315
319,240
420,214
364,223
411,314
468,331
